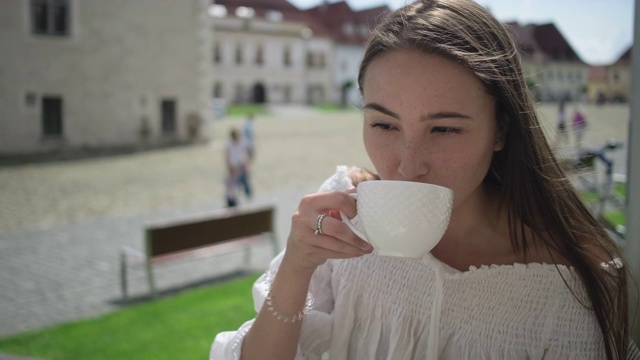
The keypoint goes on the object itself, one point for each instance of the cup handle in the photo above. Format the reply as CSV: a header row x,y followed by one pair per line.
x,y
351,222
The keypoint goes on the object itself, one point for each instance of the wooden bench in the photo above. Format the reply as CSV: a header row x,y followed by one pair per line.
x,y
216,233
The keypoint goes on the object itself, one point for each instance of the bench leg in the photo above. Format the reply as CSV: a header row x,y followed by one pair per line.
x,y
123,275
152,284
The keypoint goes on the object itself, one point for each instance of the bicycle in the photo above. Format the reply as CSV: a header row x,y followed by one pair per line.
x,y
605,197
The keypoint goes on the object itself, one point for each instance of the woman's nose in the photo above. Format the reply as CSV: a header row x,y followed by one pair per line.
x,y
413,164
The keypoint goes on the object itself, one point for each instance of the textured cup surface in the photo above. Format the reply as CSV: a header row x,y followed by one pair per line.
x,y
401,218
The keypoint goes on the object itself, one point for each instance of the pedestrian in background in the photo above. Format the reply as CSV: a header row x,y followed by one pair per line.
x,y
238,162
561,133
248,134
579,124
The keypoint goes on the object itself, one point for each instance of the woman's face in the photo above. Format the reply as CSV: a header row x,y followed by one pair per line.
x,y
430,120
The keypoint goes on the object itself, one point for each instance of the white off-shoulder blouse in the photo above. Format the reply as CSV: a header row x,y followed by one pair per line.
x,y
376,307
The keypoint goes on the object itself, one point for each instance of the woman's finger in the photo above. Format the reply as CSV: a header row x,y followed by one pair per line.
x,y
335,229
315,204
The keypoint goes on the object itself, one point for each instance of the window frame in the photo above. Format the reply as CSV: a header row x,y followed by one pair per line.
x,y
50,17
52,116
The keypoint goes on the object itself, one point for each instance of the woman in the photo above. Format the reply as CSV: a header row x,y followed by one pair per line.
x,y
561,132
579,123
523,271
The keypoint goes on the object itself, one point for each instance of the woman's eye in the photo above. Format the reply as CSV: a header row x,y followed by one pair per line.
x,y
445,130
382,126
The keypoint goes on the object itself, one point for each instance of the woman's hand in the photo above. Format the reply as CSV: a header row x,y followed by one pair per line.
x,y
305,249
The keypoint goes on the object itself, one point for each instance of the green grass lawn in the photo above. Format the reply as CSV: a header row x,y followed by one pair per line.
x,y
178,327
620,189
615,217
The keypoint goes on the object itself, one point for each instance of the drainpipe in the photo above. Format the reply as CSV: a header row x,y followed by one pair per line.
x,y
632,236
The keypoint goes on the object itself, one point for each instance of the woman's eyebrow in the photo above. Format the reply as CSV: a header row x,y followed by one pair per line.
x,y
382,109
430,116
445,115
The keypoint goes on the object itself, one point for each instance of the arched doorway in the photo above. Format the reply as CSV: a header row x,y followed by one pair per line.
x,y
259,94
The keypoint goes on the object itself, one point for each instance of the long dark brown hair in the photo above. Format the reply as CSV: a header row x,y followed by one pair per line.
x,y
532,185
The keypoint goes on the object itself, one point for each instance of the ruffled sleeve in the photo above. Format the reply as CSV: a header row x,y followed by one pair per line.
x,y
316,326
339,181
315,335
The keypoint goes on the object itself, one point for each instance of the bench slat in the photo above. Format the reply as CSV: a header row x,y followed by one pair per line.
x,y
170,238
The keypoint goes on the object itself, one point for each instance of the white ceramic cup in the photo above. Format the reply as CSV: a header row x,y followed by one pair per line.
x,y
401,218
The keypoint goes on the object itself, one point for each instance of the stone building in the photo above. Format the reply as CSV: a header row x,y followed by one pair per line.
x,y
119,73
92,74
610,83
554,69
270,51
349,30
620,78
266,51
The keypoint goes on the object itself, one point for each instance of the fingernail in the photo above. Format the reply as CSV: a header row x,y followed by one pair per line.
x,y
367,247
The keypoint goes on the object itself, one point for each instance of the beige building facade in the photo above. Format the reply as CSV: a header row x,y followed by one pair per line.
x,y
553,68
267,52
94,74
619,78
611,83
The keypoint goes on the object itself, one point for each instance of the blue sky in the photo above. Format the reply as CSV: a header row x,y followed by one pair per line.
x,y
598,30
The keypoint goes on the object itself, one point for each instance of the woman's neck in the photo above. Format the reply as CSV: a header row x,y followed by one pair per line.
x,y
478,234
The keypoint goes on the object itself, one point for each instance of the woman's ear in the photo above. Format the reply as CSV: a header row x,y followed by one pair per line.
x,y
499,142
501,129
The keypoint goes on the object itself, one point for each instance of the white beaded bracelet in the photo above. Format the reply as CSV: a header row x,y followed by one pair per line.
x,y
308,305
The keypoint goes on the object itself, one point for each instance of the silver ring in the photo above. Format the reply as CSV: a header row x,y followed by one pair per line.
x,y
319,224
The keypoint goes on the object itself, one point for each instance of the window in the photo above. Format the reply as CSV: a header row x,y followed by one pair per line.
x,y
238,54
274,16
217,90
168,111
30,100
315,60
260,55
348,28
50,17
287,56
310,59
217,55
52,116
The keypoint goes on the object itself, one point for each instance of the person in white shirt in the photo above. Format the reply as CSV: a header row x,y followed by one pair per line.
x,y
237,163
523,271
249,135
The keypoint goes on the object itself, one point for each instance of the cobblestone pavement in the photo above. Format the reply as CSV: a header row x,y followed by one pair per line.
x,y
62,223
